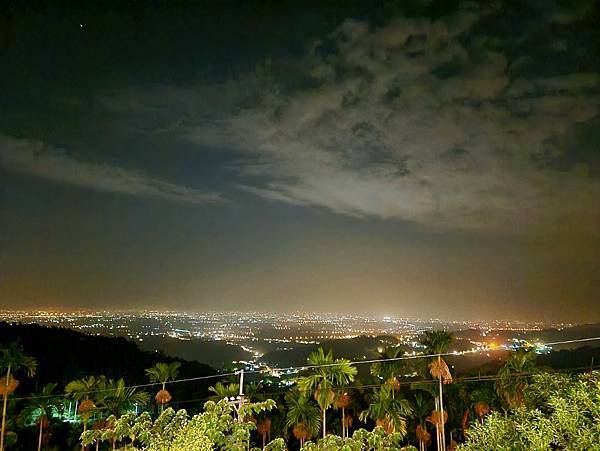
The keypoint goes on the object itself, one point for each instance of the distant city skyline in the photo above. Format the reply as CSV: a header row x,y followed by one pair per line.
x,y
409,158
261,340
167,311
107,315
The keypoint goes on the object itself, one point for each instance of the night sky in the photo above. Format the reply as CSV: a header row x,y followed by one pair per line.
x,y
416,158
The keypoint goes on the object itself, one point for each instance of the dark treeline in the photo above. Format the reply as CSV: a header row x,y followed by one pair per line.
x,y
64,355
334,397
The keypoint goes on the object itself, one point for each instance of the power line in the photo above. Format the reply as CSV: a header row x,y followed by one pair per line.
x,y
101,390
416,356
305,367
460,379
579,340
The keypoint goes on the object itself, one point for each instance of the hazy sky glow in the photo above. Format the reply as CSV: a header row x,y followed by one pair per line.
x,y
420,158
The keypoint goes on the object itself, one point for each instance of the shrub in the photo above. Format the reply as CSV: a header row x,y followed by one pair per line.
x,y
562,413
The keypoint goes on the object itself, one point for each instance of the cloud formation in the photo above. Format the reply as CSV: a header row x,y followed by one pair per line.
x,y
35,158
422,120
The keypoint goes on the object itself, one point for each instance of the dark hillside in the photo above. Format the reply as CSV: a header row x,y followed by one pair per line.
x,y
64,355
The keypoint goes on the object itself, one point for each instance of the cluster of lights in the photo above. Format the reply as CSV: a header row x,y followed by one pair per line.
x,y
256,331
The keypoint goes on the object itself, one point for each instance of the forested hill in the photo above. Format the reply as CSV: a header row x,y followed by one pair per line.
x,y
64,355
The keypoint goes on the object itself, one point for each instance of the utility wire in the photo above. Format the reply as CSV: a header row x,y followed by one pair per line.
x,y
484,378
416,356
129,387
579,340
305,367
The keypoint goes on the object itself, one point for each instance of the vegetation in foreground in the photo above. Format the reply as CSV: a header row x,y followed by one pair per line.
x,y
559,412
328,407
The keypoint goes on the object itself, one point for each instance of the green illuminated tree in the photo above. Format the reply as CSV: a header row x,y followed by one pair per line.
x,y
223,391
12,360
41,409
513,377
388,411
162,373
117,398
325,376
389,370
85,391
302,416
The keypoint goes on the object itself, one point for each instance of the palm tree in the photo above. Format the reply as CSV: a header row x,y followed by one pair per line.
x,y
480,399
423,436
253,391
482,408
303,416
163,373
96,434
513,377
438,342
41,409
224,391
421,408
13,359
438,418
325,375
85,390
347,421
119,399
389,370
342,401
387,410
264,430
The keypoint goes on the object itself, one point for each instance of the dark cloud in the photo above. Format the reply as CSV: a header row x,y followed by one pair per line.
x,y
418,120
34,158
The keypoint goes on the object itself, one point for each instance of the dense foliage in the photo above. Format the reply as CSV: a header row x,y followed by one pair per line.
x,y
559,412
392,404
218,428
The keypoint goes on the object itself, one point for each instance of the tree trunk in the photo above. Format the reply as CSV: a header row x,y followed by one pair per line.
x,y
438,440
84,429
5,402
40,435
442,429
345,423
324,423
